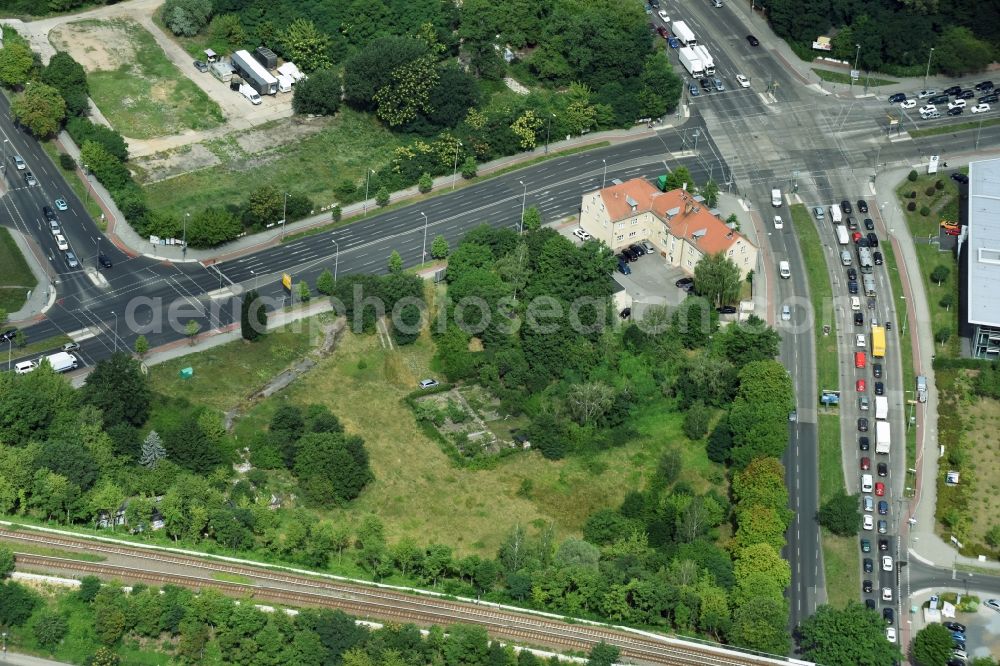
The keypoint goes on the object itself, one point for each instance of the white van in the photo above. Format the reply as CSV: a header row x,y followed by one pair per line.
x,y
845,258
836,216
784,269
24,367
776,198
866,483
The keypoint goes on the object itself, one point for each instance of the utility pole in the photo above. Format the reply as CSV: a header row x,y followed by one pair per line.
x,y
928,70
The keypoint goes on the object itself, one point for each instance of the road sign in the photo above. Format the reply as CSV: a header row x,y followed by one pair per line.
x,y
855,75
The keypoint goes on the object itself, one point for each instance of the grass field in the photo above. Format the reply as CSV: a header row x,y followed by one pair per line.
x,y
148,96
351,143
982,424
845,77
418,492
16,279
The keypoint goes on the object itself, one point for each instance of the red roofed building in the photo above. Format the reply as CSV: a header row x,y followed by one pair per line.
x,y
678,224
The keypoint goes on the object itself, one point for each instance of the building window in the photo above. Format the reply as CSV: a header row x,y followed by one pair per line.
x,y
730,253
743,249
620,237
632,234
619,225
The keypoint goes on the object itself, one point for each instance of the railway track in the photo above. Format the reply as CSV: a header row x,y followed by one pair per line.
x,y
271,586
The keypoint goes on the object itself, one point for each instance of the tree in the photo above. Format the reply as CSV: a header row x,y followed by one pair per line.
x,y
947,301
120,390
992,537
959,52
469,168
589,401
188,446
678,178
264,206
307,46
382,197
696,421
425,183
395,262
16,63
603,654
324,283
750,340
186,17
141,346
940,274
191,329
407,92
304,292
850,636
720,442
840,514
717,278
439,247
318,95
41,109
16,603
6,562
253,316
761,482
943,334
106,657
214,225
332,468
532,219
152,450
68,77
711,193
760,624
50,628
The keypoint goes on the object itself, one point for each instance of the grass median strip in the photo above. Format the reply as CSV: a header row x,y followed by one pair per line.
x,y
845,77
950,129
29,549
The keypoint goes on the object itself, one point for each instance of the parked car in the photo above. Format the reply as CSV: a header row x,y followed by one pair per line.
x,y
859,386
966,94
959,177
866,586
428,383
890,634
863,426
869,224
71,346
883,527
877,370
872,239
880,492
706,85
956,111
867,523
726,309
862,206
981,108
993,603
866,546
896,98
581,234
663,32
957,104
908,104
859,319
926,93
673,42
955,626
879,388
984,86
887,613
883,508
845,206
928,108
852,274
953,90
201,66
684,282
882,469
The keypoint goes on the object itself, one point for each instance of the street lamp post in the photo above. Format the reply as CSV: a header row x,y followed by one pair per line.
x,y
857,55
4,643
454,171
928,70
336,261
548,128
254,279
423,254
604,178
86,175
368,180
524,196
5,142
10,343
184,246
98,252
903,298
116,330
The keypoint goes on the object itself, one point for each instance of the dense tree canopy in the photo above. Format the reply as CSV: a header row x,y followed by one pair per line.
x,y
120,390
849,636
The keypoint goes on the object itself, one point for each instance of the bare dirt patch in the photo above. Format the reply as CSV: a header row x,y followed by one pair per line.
x,y
279,133
97,45
161,166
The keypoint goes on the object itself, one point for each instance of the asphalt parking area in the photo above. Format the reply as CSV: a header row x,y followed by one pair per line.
x,y
651,282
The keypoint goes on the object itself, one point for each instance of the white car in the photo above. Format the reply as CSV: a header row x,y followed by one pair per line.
x,y
54,228
908,104
981,108
890,634
929,108
786,313
778,222
926,93
957,104
855,303
19,163
743,81
886,563
581,234
886,594
859,340
61,242
867,522
663,15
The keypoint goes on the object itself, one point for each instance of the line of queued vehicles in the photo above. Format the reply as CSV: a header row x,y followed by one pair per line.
x,y
985,89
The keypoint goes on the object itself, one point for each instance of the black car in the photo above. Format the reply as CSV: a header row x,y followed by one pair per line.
x,y
8,335
845,206
859,319
957,111
852,287
877,370
883,508
897,98
706,85
684,282
872,239
954,90
940,99
852,274
626,313
877,256
869,224
879,388
957,644
862,206
862,424
882,469
863,242
960,177
868,565
50,215
883,545
866,585
870,603
629,254
638,249
726,309
983,86
955,626
753,40
966,94
864,443
888,615
992,98
103,260
852,224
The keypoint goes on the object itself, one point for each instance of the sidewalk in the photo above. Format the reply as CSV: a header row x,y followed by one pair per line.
x,y
922,541
42,296
26,660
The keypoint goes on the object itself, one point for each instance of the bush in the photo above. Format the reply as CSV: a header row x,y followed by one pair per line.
x,y
382,197
336,213
925,211
425,184
66,161
912,206
82,130
939,184
469,168
930,191
187,17
912,194
912,176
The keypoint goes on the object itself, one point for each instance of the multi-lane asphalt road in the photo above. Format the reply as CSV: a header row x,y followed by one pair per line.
x,y
778,133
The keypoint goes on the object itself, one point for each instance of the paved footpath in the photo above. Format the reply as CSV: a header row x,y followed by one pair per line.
x,y
7,657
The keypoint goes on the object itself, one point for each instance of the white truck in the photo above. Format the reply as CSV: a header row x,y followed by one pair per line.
x,y
254,73
776,199
683,33
842,236
692,63
707,63
285,83
882,437
881,407
249,93
62,361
